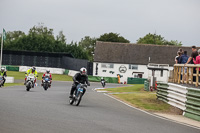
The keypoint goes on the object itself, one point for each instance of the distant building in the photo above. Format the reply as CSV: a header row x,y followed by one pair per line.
x,y
131,60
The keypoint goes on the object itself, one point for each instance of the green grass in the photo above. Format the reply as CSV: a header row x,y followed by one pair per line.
x,y
140,98
134,88
56,77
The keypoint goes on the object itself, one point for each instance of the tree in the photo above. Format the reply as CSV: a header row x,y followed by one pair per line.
x,y
156,39
61,37
112,37
173,42
77,51
88,44
151,39
41,39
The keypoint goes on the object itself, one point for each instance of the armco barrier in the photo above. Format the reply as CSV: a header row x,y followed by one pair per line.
x,y
193,104
136,80
11,68
186,99
98,79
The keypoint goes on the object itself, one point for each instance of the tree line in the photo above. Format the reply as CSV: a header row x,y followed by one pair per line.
x,y
41,39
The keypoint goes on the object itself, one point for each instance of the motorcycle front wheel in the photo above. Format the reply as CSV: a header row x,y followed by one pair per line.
x,y
78,100
45,86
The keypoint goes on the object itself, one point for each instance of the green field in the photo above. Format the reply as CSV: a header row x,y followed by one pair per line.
x,y
136,96
56,77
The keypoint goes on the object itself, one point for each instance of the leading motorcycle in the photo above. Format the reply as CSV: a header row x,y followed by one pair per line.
x,y
30,81
78,93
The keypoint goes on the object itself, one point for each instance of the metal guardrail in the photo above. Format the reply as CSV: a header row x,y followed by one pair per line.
x,y
184,98
185,74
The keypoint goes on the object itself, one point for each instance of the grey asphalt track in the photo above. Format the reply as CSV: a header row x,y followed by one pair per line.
x,y
40,111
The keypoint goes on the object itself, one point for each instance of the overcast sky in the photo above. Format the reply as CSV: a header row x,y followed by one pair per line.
x,y
132,19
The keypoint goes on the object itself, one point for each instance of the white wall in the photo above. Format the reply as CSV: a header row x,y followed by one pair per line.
x,y
129,72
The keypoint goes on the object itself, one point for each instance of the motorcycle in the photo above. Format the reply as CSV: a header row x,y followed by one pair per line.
x,y
46,82
30,82
78,93
1,81
103,82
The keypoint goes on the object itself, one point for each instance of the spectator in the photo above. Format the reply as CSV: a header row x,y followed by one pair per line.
x,y
197,61
177,58
190,59
181,51
183,59
193,55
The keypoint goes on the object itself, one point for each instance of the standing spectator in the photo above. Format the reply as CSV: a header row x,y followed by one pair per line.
x,y
190,59
177,58
197,61
193,55
181,51
183,59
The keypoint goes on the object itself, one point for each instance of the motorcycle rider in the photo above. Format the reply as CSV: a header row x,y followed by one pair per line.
x,y
29,71
103,81
47,73
3,74
80,77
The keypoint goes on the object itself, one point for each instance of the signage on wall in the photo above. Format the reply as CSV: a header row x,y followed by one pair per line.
x,y
122,69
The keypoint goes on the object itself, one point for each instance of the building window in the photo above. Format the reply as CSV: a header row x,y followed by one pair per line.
x,y
133,67
107,65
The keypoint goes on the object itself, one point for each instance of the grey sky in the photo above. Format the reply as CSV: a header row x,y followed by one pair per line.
x,y
173,19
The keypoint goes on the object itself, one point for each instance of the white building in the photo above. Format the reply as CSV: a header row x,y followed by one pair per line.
x,y
131,60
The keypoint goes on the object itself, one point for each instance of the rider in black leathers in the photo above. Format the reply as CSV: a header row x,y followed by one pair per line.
x,y
79,78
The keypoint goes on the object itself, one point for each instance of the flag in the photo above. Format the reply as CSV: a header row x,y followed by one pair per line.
x,y
4,34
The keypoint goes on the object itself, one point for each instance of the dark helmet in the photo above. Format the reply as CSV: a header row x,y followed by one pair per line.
x,y
83,71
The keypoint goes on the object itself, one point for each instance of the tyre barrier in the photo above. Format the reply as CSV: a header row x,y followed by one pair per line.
x,y
184,98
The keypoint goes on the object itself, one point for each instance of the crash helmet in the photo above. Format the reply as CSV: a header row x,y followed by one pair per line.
x,y
83,71
33,69
2,69
48,71
101,78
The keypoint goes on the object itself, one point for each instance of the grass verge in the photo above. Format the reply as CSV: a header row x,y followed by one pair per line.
x,y
137,97
56,77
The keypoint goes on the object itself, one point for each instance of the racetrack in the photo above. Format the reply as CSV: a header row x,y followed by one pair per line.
x,y
40,111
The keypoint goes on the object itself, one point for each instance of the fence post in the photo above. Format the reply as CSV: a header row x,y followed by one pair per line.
x,y
191,76
197,77
187,77
183,76
179,75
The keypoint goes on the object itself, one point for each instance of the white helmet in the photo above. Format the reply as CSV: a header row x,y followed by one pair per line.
x,y
83,71
48,70
2,69
101,77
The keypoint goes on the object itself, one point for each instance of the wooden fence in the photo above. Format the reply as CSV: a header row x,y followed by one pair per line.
x,y
186,74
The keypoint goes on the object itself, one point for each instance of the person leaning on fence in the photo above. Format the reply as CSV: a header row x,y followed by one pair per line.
x,y
190,60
